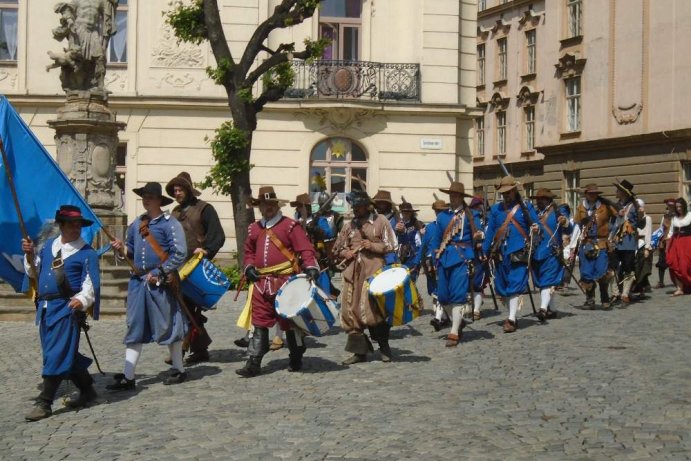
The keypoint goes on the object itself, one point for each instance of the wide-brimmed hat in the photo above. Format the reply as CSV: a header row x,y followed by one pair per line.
x,y
359,198
591,189
625,187
183,180
456,187
71,213
302,199
670,201
153,188
406,206
543,193
267,194
440,205
476,201
506,184
382,196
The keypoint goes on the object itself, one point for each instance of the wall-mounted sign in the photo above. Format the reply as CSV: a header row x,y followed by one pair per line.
x,y
430,143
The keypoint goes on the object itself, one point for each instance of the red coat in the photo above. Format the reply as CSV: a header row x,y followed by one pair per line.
x,y
261,252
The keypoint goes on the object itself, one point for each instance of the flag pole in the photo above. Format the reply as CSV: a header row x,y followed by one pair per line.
x,y
22,226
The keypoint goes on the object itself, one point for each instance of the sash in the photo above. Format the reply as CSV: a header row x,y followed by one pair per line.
x,y
144,232
245,319
284,251
449,233
499,236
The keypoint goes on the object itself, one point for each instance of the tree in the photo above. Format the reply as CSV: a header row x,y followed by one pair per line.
x,y
232,145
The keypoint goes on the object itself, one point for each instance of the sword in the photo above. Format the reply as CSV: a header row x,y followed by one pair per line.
x,y
85,328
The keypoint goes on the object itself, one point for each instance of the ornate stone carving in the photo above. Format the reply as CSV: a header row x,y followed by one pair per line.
x,y
87,25
340,119
570,65
169,53
627,115
499,100
530,17
116,81
527,95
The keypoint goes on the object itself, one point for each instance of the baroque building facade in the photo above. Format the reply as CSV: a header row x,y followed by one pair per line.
x,y
390,106
575,92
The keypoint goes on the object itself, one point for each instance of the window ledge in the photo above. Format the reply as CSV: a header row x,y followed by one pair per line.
x,y
499,156
500,82
116,65
480,86
478,158
528,153
8,63
571,41
528,76
570,134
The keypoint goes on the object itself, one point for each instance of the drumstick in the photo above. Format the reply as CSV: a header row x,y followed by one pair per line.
x,y
343,264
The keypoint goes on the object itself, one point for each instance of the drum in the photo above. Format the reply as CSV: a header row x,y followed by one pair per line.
x,y
394,292
306,305
203,282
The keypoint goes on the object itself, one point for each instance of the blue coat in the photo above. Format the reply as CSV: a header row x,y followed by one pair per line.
x,y
58,327
626,227
424,252
153,313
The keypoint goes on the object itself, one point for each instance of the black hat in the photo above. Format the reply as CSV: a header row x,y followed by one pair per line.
x,y
359,198
625,187
153,188
183,180
71,213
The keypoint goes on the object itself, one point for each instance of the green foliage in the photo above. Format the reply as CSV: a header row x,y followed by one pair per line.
x,y
316,48
187,22
218,74
228,149
234,274
279,77
245,95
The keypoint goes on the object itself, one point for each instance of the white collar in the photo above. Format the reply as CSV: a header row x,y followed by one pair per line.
x,y
271,222
69,248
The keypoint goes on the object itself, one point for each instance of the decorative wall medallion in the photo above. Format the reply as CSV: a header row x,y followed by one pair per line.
x,y
340,119
178,80
627,115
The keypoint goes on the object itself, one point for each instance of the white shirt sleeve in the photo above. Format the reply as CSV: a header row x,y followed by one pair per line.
x,y
648,231
86,296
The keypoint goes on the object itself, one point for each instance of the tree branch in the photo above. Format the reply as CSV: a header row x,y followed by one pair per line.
x,y
217,39
270,63
284,15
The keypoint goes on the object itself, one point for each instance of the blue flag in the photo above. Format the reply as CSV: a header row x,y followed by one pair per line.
x,y
41,188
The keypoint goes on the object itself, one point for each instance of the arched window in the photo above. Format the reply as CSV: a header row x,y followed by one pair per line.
x,y
337,165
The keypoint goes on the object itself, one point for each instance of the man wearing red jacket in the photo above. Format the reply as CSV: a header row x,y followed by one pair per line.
x,y
274,248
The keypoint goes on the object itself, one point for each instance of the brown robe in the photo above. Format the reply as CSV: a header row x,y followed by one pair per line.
x,y
357,312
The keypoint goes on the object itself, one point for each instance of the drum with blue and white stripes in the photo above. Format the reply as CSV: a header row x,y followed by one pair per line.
x,y
306,306
392,289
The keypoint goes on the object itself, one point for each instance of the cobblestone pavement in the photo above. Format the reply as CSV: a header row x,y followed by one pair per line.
x,y
589,385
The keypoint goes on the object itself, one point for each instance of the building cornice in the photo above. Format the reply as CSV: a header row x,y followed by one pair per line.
x,y
624,142
501,8
221,104
494,165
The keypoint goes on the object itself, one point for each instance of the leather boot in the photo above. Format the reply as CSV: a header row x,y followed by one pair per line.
x,y
359,345
259,346
85,383
380,333
297,348
42,409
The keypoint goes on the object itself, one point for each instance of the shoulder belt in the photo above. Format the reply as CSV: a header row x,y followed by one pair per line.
x,y
499,236
284,251
144,232
543,220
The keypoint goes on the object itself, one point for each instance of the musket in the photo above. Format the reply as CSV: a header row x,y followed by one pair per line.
x,y
529,221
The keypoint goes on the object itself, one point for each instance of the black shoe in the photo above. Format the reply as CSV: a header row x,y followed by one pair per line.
x,y
385,351
121,383
251,369
40,411
436,324
295,365
541,316
197,357
551,314
242,342
175,377
85,398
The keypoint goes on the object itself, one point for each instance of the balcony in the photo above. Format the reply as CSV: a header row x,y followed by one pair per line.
x,y
355,80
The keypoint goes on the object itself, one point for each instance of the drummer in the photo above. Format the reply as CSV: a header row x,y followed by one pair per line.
x,y
362,244
318,230
274,246
204,234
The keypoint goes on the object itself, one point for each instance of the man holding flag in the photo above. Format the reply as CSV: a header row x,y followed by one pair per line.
x,y
68,285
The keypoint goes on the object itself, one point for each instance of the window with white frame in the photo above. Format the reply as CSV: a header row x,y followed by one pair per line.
x,y
501,133
686,180
480,136
337,165
481,5
529,125
531,54
571,191
502,58
340,22
573,104
574,17
117,47
8,29
481,64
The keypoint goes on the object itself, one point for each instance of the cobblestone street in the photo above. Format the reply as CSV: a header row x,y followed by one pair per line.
x,y
589,385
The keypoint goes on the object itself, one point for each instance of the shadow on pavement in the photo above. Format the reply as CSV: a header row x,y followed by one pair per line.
x,y
402,332
405,356
309,365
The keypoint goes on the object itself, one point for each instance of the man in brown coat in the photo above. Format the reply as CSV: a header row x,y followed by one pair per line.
x,y
362,243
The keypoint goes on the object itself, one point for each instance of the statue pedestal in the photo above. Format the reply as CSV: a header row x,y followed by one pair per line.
x,y
86,136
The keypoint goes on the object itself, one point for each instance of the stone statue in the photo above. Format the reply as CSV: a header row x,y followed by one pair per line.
x,y
87,25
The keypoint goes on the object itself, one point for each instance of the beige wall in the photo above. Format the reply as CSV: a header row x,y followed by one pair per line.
x,y
171,106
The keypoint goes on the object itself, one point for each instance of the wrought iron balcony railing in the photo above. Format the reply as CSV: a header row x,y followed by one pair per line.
x,y
355,80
